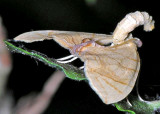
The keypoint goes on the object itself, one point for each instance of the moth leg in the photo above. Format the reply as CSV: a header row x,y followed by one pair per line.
x,y
67,61
65,58
82,67
139,97
128,102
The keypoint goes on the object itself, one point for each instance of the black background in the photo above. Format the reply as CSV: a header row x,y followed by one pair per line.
x,y
73,97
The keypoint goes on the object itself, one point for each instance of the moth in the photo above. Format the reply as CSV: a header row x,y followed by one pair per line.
x,y
112,70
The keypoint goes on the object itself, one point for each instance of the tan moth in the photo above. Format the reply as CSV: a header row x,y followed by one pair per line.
x,y
111,70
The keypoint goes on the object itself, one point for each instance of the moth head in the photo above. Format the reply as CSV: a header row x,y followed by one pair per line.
x,y
81,48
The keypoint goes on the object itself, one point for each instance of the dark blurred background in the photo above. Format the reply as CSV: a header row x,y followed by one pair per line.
x,y
73,97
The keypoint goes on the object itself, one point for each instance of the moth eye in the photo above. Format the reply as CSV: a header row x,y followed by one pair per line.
x,y
85,40
138,42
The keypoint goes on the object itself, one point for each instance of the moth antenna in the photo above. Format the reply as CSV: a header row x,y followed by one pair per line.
x,y
82,67
129,23
68,61
65,58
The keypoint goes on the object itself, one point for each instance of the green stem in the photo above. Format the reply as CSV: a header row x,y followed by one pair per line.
x,y
123,110
70,71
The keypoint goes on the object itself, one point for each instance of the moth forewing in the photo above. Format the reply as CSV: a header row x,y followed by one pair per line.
x,y
109,74
66,39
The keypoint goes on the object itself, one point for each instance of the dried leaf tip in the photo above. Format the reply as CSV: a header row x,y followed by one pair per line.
x,y
148,22
129,23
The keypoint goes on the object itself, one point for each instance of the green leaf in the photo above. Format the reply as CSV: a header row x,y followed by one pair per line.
x,y
139,106
69,70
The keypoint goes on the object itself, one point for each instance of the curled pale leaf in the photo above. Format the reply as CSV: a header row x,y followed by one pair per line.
x,y
129,23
